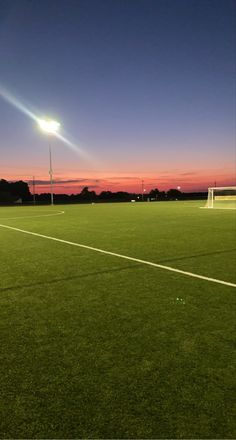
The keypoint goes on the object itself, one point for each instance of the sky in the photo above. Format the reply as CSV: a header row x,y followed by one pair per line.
x,y
143,89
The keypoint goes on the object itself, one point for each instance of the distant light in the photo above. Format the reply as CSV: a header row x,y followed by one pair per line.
x,y
49,126
144,190
178,187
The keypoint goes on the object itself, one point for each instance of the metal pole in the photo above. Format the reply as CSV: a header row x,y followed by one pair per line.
x,y
33,190
142,189
50,170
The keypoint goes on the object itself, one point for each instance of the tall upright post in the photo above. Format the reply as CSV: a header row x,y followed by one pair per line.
x,y
49,127
50,169
142,189
33,190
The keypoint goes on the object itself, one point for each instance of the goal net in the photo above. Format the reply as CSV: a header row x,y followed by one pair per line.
x,y
222,197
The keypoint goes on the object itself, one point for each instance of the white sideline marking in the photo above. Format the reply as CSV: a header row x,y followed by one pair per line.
x,y
219,209
32,216
206,207
137,260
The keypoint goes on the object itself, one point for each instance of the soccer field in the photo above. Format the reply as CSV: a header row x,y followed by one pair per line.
x,y
98,345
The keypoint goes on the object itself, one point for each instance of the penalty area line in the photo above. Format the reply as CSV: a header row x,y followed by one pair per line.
x,y
125,257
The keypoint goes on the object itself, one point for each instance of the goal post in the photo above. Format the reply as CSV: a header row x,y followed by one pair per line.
x,y
222,197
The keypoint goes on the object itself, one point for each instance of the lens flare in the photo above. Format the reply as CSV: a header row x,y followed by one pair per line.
x,y
74,147
7,96
48,126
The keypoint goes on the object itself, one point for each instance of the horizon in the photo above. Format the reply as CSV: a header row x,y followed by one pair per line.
x,y
46,189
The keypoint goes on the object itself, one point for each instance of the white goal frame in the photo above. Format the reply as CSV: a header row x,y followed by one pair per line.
x,y
211,193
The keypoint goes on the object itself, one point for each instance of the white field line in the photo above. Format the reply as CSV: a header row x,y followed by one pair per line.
x,y
125,257
212,209
33,216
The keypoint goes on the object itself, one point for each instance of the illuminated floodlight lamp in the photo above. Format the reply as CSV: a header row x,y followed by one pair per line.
x,y
49,126
178,187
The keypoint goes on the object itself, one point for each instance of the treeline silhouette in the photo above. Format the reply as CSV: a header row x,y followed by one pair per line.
x,y
10,192
19,192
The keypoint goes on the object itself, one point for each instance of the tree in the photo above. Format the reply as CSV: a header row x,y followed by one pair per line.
x,y
4,185
174,194
14,190
21,190
87,195
154,193
105,195
6,197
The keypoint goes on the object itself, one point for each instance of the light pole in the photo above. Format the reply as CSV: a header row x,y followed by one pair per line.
x,y
143,193
50,168
143,190
33,190
49,127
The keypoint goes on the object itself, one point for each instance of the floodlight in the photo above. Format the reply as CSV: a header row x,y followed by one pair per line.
x,y
49,126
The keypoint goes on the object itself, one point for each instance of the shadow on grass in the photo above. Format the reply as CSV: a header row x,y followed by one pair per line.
x,y
188,257
58,280
90,274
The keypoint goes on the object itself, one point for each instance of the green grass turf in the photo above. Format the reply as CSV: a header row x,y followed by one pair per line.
x,y
225,204
94,346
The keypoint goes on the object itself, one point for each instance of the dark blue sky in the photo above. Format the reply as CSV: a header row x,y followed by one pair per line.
x,y
146,87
